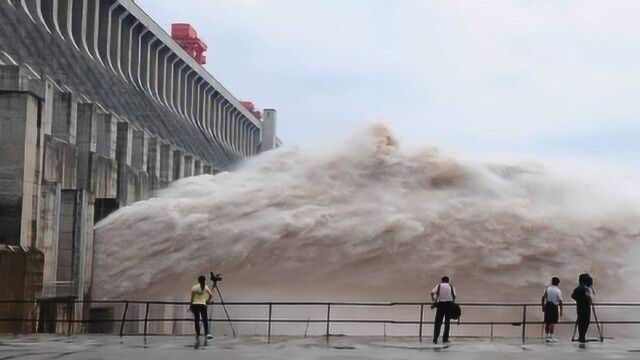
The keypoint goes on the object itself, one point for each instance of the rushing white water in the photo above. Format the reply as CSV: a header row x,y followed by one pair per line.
x,y
371,221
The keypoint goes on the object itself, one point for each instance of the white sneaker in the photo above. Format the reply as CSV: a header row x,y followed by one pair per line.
x,y
548,338
209,337
554,339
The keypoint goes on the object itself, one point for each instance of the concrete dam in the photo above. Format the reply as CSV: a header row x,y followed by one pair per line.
x,y
99,108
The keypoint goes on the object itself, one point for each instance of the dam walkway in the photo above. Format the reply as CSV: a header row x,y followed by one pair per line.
x,y
36,347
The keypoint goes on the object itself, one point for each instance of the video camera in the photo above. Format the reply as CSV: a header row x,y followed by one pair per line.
x,y
585,280
215,278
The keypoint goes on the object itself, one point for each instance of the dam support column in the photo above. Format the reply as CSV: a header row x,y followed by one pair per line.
x,y
105,167
126,181
86,143
86,138
139,164
188,166
197,167
59,194
19,146
153,164
178,164
166,164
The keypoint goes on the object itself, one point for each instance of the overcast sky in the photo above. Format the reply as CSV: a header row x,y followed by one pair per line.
x,y
550,78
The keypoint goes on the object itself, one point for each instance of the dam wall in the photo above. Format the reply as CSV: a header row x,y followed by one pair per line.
x,y
100,108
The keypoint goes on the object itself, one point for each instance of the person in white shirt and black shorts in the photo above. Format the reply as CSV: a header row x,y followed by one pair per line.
x,y
443,297
551,303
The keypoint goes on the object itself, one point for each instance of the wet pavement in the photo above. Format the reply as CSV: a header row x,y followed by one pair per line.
x,y
88,347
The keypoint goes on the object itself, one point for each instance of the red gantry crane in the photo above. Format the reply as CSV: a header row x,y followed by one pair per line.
x,y
187,37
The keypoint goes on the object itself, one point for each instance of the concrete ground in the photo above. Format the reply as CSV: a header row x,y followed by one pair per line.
x,y
352,348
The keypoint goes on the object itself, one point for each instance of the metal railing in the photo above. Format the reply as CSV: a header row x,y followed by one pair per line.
x,y
327,320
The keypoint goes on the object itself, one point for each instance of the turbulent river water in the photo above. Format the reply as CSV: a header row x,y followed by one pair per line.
x,y
371,220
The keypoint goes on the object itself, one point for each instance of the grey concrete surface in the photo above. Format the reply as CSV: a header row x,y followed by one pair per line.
x,y
352,348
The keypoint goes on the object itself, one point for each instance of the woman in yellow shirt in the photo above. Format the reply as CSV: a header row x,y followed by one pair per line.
x,y
201,295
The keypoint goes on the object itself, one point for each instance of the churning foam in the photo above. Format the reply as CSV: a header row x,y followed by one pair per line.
x,y
373,222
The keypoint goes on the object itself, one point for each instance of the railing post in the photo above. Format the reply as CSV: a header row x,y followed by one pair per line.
x,y
70,315
52,308
328,319
524,323
269,328
491,331
421,318
124,315
146,319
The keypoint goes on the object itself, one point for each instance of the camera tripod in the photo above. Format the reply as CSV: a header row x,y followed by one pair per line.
x,y
214,280
595,317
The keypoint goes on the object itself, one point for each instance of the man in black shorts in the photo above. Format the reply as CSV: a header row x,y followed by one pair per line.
x,y
551,303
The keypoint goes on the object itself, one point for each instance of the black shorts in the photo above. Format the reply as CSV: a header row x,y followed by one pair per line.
x,y
550,313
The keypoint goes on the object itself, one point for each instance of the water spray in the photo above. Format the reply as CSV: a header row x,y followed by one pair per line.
x,y
376,211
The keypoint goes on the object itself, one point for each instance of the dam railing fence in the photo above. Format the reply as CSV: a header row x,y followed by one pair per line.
x,y
134,317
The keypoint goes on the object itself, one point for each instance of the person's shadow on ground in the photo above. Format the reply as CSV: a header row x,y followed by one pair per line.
x,y
199,344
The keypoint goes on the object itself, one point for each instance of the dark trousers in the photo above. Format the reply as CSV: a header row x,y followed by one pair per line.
x,y
584,318
200,312
443,312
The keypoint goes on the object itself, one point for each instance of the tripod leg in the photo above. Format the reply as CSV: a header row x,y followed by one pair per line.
x,y
224,307
575,328
595,317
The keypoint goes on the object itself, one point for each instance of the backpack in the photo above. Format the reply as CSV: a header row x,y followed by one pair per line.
x,y
456,312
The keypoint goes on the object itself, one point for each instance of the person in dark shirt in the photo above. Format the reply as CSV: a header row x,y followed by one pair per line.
x,y
583,295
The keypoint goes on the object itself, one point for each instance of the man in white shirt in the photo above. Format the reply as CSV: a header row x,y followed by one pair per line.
x,y
551,301
443,296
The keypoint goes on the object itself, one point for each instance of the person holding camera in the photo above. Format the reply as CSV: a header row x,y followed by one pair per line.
x,y
443,297
551,302
201,295
583,295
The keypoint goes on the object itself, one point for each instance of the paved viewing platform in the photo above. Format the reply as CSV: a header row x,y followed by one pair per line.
x,y
311,348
